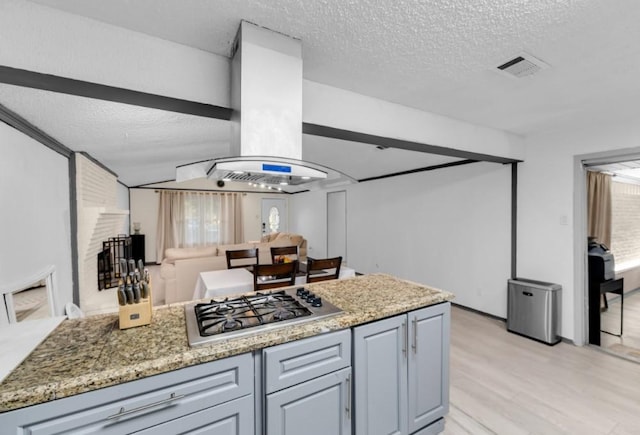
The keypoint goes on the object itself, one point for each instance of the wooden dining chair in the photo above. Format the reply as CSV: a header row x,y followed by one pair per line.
x,y
266,276
278,252
323,269
243,257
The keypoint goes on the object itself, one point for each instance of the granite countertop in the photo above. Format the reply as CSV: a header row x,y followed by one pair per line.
x,y
82,355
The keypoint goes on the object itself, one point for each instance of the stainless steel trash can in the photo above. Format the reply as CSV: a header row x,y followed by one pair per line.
x,y
534,309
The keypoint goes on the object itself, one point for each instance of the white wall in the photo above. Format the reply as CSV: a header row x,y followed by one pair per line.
x,y
339,108
308,217
35,216
546,193
144,209
99,219
122,203
449,228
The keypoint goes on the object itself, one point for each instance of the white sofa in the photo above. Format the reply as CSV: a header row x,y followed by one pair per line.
x,y
180,267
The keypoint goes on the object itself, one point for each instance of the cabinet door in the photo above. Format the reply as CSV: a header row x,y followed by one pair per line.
x,y
231,418
321,406
428,365
380,377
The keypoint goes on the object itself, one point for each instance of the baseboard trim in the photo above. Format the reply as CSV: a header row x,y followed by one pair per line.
x,y
482,313
501,319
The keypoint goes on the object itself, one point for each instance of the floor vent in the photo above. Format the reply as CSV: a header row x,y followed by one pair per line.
x,y
522,65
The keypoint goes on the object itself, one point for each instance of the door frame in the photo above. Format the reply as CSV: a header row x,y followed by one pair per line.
x,y
580,233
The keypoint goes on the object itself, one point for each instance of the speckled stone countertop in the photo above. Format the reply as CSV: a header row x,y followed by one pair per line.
x,y
86,354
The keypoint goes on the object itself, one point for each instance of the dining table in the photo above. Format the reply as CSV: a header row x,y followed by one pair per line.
x,y
222,283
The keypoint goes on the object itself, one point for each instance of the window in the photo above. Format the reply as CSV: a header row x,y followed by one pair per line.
x,y
188,219
200,219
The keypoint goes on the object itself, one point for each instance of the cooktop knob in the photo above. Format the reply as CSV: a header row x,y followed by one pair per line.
x,y
316,302
310,297
300,290
304,293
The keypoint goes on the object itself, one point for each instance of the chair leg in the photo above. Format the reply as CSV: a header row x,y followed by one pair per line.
x,y
606,303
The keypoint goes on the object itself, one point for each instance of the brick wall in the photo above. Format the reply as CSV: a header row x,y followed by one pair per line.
x,y
98,219
625,225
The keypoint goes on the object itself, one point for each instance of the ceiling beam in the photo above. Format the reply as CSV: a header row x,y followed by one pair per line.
x,y
354,136
64,85
53,83
413,171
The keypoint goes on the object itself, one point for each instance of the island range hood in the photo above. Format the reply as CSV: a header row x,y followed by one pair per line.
x,y
266,125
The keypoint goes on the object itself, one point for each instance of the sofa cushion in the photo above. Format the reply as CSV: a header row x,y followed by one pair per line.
x,y
266,238
173,254
167,270
222,249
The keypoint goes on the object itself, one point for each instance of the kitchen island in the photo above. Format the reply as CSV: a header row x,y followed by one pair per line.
x,y
84,355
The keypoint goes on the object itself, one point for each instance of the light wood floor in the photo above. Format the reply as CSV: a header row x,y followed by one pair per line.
x,y
506,384
629,344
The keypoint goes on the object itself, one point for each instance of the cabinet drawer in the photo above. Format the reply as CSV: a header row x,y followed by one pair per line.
x,y
230,418
299,361
139,404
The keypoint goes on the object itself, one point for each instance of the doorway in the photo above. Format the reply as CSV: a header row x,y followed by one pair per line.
x,y
617,331
274,216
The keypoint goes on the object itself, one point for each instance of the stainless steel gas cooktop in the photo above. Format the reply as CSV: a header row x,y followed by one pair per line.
x,y
216,320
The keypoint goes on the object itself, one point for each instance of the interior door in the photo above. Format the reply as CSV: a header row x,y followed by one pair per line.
x,y
337,224
274,215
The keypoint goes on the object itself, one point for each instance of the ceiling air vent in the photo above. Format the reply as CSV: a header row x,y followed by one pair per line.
x,y
522,65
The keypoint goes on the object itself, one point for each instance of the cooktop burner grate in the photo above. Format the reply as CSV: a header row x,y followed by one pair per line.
x,y
250,314
217,317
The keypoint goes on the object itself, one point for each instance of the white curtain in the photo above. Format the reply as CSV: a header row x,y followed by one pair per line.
x,y
189,219
599,206
231,220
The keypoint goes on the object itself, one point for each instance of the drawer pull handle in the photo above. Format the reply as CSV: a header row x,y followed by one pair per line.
x,y
527,293
122,412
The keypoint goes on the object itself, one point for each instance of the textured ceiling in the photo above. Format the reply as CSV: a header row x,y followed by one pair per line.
x,y
141,145
438,55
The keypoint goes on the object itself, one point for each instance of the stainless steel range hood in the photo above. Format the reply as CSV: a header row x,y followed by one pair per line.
x,y
266,125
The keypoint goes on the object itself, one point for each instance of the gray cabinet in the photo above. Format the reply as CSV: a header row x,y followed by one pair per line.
x,y
429,330
186,397
320,406
401,373
380,375
308,386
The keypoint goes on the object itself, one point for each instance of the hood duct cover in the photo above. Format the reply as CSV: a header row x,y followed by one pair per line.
x,y
266,125
266,94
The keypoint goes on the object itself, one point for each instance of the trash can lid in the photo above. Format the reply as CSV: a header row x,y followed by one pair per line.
x,y
536,283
